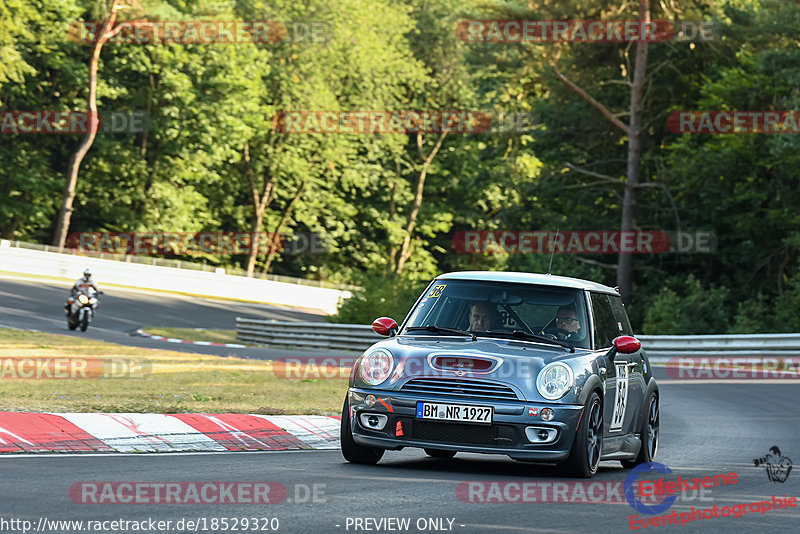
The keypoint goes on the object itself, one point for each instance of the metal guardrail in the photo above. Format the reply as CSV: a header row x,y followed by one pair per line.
x,y
722,346
360,337
309,335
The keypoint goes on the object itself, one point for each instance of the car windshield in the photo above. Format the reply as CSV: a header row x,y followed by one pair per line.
x,y
498,309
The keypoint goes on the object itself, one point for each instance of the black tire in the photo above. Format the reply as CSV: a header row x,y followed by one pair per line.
x,y
588,445
439,453
71,323
352,451
648,434
85,323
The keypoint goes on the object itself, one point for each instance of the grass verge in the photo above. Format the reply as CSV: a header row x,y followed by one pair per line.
x,y
166,381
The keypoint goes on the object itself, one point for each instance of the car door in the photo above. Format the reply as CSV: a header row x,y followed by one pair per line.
x,y
619,412
636,362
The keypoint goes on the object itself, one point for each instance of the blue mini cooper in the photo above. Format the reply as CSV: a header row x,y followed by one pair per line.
x,y
537,367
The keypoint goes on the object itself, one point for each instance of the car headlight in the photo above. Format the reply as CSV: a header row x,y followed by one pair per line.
x,y
554,380
376,366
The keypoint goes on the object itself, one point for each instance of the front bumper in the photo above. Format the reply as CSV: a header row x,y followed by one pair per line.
x,y
506,435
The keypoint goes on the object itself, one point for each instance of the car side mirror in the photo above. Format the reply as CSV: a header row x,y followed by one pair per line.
x,y
385,326
624,345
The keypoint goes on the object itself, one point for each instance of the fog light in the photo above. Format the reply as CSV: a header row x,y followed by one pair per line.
x,y
547,414
373,421
541,435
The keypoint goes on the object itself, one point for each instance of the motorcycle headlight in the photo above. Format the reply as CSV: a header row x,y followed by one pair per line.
x,y
376,366
83,299
554,380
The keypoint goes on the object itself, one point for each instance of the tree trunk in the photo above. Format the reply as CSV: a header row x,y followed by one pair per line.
x,y
255,229
405,249
625,260
65,214
392,215
275,237
260,203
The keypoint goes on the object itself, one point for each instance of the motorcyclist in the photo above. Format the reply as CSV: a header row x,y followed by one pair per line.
x,y
82,284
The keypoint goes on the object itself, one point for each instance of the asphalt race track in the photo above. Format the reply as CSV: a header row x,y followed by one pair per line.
x,y
706,430
708,427
39,305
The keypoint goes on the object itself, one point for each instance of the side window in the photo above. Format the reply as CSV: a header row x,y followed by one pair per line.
x,y
605,326
621,316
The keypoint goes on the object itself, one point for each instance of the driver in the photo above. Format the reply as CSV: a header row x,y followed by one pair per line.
x,y
568,326
483,316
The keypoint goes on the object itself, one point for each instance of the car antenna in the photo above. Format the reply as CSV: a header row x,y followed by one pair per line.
x,y
550,267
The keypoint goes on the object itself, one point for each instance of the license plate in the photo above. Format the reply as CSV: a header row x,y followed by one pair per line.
x,y
454,412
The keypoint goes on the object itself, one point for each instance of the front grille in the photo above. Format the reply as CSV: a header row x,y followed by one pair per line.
x,y
458,387
502,436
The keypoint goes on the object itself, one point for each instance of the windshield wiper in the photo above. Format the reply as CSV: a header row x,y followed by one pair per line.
x,y
527,335
442,330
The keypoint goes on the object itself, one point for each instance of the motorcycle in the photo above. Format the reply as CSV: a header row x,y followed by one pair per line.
x,y
80,309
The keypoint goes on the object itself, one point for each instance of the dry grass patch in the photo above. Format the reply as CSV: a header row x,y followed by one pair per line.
x,y
164,381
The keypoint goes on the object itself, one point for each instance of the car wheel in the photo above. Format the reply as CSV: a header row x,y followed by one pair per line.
x,y
438,453
588,445
352,451
648,435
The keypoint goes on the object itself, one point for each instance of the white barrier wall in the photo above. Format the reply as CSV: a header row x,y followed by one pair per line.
x,y
25,261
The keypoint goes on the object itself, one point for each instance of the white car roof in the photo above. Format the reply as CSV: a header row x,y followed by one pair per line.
x,y
529,278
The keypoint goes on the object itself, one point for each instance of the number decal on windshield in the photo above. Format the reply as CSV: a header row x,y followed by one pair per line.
x,y
436,291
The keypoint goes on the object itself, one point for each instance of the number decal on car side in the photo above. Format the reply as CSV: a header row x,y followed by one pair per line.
x,y
621,399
